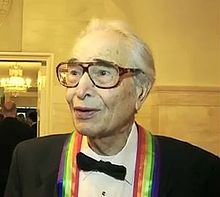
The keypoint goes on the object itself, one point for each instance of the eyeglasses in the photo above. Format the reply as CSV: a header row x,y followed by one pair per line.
x,y
102,73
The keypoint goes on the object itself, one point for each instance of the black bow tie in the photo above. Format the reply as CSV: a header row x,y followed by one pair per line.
x,y
89,164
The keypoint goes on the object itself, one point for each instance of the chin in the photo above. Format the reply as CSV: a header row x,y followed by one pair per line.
x,y
85,129
87,132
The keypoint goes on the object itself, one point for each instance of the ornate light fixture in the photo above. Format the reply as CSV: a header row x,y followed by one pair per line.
x,y
15,83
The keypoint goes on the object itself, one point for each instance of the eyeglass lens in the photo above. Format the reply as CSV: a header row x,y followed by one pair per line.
x,y
102,74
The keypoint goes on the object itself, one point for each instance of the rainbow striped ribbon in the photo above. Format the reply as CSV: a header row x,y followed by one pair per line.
x,y
146,182
68,175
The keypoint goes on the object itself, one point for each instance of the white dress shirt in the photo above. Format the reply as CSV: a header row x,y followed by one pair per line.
x,y
97,184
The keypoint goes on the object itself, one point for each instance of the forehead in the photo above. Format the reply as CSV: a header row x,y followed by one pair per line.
x,y
103,45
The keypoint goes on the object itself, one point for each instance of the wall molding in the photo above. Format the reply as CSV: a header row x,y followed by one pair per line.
x,y
186,95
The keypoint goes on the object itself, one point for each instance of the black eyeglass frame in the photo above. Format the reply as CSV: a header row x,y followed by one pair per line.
x,y
123,72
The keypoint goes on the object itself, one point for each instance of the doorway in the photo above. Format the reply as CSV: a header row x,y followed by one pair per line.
x,y
37,66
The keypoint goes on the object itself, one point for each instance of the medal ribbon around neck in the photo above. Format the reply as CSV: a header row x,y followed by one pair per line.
x,y
68,175
146,180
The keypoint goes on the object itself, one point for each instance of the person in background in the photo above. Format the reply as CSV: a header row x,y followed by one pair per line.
x,y
32,121
107,79
21,118
1,116
12,131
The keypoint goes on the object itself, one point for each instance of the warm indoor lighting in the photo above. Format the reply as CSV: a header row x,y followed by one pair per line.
x,y
15,83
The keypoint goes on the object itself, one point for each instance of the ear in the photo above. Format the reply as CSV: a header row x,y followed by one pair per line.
x,y
142,93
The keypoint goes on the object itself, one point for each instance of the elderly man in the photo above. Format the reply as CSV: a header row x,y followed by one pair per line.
x,y
107,80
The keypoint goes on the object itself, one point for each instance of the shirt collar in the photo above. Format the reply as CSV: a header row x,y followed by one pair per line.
x,y
126,157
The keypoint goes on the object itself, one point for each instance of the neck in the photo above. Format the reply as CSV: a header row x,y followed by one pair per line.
x,y
110,145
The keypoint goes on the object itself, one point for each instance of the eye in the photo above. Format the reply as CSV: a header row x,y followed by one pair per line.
x,y
103,72
74,72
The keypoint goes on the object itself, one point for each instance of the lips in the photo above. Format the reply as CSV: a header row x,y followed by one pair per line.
x,y
85,113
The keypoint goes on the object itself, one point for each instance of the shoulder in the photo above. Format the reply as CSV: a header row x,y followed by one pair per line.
x,y
187,168
42,148
186,160
183,149
41,143
39,153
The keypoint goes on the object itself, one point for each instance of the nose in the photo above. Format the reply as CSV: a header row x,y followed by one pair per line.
x,y
85,87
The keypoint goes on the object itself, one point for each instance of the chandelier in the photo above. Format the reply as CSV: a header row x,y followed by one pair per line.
x,y
15,83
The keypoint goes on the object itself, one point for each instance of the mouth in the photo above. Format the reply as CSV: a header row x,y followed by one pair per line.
x,y
85,113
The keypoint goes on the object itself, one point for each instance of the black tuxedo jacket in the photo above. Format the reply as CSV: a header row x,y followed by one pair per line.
x,y
185,170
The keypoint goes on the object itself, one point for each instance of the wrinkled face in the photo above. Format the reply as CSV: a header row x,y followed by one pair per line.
x,y
95,111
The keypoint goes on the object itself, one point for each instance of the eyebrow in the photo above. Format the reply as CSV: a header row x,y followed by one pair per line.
x,y
72,60
102,60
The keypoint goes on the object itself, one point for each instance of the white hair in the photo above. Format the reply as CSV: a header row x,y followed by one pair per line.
x,y
140,55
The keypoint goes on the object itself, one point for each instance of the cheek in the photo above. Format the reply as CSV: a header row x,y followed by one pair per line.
x,y
69,95
122,100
